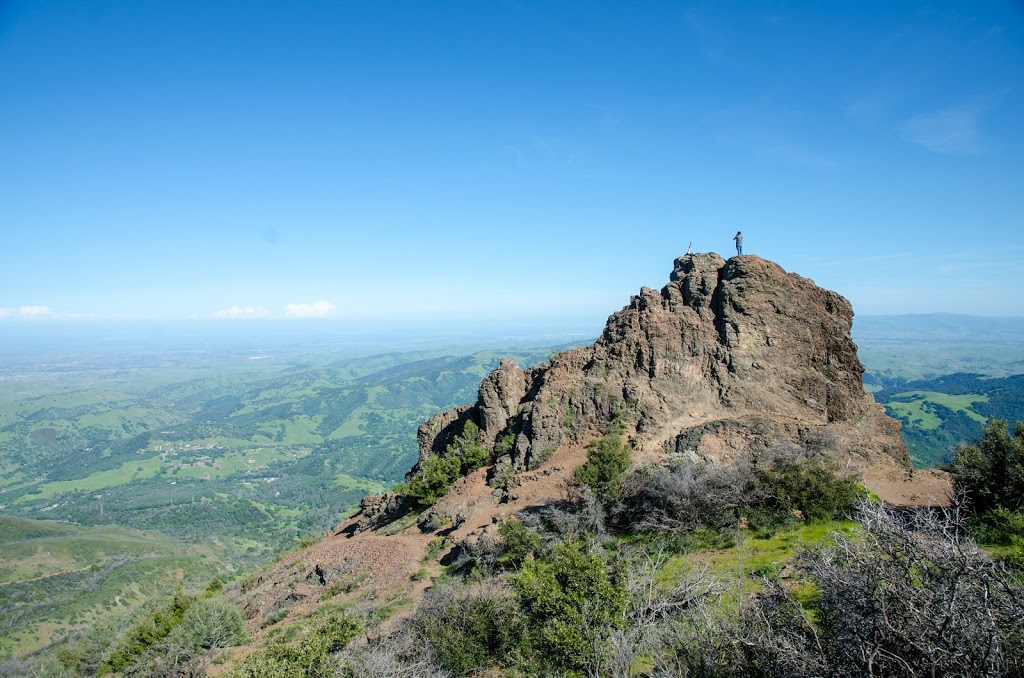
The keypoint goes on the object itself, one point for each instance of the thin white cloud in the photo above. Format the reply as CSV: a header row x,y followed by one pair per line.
x,y
951,131
35,311
317,309
241,312
4,312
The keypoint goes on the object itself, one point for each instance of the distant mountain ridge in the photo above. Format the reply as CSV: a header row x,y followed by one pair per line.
x,y
939,327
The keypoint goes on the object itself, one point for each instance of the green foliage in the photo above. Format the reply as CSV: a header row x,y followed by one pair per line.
x,y
571,601
470,629
813,487
212,622
991,470
312,656
518,543
989,474
433,478
156,626
215,587
437,473
434,548
504,444
608,459
569,422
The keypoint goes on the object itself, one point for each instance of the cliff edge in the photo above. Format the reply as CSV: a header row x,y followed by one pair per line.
x,y
728,357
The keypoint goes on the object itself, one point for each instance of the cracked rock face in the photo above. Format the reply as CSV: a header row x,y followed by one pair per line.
x,y
728,357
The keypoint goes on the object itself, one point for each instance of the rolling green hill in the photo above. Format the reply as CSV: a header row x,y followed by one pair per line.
x,y
56,577
942,413
142,460
254,457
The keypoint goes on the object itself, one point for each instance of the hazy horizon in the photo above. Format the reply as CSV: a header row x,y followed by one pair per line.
x,y
318,160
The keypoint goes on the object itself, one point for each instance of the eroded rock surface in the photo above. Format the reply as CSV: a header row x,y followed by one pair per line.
x,y
729,356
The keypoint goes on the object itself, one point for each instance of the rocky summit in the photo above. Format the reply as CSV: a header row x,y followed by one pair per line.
x,y
730,356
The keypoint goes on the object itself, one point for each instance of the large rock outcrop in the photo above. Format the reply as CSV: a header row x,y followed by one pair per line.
x,y
728,357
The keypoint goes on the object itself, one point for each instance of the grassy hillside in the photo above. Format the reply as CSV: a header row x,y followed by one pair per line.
x,y
241,456
150,455
253,456
940,414
56,577
942,375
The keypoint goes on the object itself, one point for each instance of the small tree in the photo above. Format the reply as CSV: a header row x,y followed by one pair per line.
x,y
437,473
608,459
991,470
573,603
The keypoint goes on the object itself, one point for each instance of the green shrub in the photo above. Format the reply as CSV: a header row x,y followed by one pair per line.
x,y
608,459
215,587
517,542
212,622
569,423
469,629
434,548
999,527
433,478
312,656
437,473
146,633
990,471
814,487
471,450
572,603
504,444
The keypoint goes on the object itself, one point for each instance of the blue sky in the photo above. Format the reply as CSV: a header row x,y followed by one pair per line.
x,y
479,160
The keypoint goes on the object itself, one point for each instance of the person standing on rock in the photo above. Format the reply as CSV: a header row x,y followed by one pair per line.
x,y
739,242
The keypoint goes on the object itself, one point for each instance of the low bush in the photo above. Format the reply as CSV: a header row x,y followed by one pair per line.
x,y
517,543
313,656
572,602
794,484
146,633
469,628
608,459
212,622
437,473
775,488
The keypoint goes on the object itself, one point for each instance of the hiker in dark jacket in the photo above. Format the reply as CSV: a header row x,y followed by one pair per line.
x,y
739,242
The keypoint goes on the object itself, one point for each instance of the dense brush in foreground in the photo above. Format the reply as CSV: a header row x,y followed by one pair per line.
x,y
662,572
902,594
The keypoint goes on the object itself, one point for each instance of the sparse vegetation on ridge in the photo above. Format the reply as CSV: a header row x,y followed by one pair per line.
x,y
560,594
436,473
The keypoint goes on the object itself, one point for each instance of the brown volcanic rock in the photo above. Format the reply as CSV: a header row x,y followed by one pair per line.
x,y
729,356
